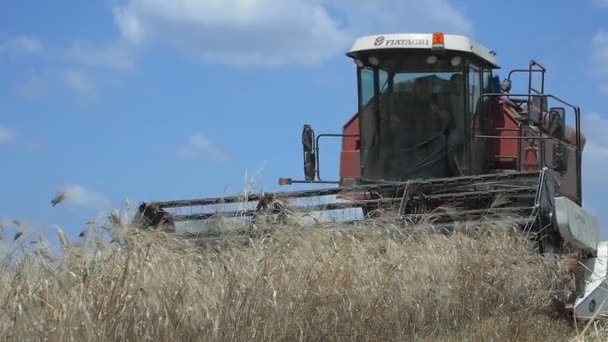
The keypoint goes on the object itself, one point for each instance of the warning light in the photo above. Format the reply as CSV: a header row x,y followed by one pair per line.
x,y
438,40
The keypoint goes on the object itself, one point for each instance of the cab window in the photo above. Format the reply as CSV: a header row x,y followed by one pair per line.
x,y
474,91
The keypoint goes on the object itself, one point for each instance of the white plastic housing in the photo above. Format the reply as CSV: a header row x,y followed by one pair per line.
x,y
593,302
576,225
452,42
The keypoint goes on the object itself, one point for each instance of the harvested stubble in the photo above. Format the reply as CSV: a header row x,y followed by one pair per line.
x,y
371,283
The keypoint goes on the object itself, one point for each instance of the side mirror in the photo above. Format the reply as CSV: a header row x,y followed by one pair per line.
x,y
557,122
310,160
560,157
505,86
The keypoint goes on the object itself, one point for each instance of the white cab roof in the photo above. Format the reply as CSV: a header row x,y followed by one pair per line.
x,y
422,41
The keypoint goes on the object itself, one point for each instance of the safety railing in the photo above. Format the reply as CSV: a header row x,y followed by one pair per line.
x,y
541,138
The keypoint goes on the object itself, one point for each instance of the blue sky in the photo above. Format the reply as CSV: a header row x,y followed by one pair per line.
x,y
153,100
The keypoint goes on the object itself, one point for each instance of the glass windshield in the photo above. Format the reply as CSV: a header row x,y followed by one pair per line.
x,y
412,113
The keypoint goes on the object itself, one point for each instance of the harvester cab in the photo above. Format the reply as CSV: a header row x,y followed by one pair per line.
x,y
436,128
430,106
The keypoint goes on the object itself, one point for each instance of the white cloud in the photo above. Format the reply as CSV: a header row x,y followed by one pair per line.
x,y
10,136
238,32
7,135
595,154
33,87
48,81
233,32
20,45
600,3
111,56
275,32
595,127
76,66
114,56
599,54
79,81
595,163
364,17
199,146
129,25
79,196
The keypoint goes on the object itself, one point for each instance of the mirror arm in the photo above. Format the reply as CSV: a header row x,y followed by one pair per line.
x,y
289,181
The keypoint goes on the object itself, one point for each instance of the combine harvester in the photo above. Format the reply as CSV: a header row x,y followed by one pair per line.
x,y
436,128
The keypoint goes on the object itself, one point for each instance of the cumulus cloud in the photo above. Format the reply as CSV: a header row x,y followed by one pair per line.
x,y
199,146
7,135
275,32
249,33
260,32
20,45
79,196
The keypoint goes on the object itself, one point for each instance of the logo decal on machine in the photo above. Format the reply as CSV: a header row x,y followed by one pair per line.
x,y
407,42
382,41
379,41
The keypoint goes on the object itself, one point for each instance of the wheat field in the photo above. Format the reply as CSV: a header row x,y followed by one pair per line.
x,y
372,282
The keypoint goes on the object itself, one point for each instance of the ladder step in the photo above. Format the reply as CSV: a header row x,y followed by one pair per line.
x,y
506,157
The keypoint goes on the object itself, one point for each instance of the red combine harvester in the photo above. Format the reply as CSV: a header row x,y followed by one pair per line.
x,y
436,128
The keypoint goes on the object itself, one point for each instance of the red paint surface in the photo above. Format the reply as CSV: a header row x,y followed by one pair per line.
x,y
350,165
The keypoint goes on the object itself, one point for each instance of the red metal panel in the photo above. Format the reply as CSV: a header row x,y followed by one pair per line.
x,y
507,156
350,166
509,153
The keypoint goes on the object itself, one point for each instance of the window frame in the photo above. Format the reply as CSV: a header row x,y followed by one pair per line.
x,y
468,66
